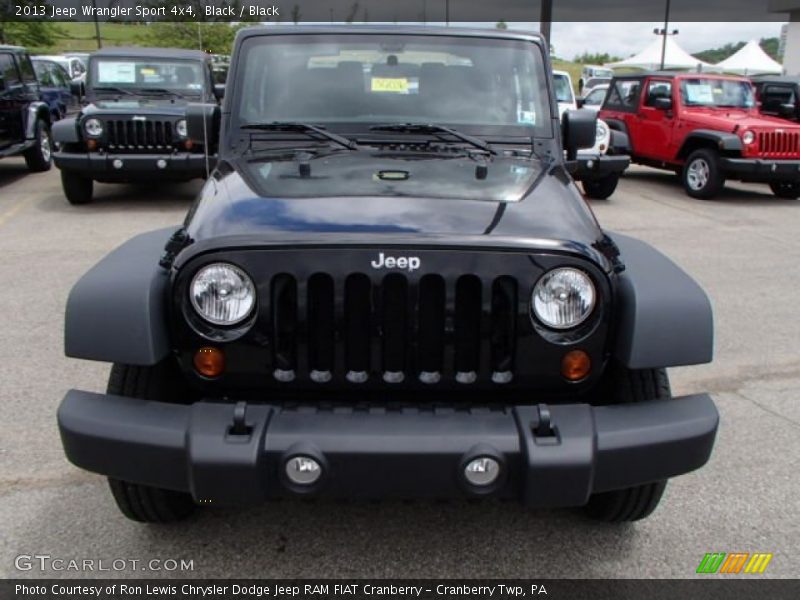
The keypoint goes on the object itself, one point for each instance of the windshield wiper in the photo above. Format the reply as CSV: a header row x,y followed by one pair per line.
x,y
302,128
161,91
112,89
432,128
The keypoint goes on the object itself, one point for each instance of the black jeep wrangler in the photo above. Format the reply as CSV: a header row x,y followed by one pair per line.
x,y
132,127
24,118
389,287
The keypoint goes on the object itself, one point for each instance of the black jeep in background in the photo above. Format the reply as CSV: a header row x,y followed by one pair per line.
x,y
779,95
390,286
24,118
132,127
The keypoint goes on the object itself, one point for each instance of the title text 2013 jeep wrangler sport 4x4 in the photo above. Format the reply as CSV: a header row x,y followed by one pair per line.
x,y
707,128
389,287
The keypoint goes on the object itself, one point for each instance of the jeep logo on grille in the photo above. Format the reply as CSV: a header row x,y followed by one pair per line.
x,y
412,263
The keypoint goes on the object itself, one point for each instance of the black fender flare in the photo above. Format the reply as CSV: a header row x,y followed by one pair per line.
x,y
726,143
65,131
117,311
664,317
620,143
617,125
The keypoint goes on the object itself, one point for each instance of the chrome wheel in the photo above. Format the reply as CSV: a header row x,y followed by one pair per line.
x,y
697,174
44,146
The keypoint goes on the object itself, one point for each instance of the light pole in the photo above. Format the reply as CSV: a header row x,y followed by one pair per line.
x,y
545,19
665,32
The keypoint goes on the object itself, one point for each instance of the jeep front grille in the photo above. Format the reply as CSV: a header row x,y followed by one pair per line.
x,y
130,134
781,144
395,329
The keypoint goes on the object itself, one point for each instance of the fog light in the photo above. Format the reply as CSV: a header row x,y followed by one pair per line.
x,y
117,163
482,471
575,365
209,362
303,470
161,163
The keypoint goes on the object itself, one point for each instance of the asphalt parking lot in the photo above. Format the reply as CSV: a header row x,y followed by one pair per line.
x,y
744,249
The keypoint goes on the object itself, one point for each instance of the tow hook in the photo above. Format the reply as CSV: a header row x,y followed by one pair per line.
x,y
544,431
239,427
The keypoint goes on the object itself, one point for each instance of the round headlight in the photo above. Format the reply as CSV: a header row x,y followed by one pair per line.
x,y
601,132
93,127
748,137
563,298
180,127
222,294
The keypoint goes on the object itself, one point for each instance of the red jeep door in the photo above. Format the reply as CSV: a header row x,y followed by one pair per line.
x,y
655,125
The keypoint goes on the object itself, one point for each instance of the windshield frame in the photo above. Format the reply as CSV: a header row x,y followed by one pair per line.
x,y
91,82
545,129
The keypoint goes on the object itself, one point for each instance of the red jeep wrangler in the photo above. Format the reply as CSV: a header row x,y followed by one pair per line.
x,y
706,128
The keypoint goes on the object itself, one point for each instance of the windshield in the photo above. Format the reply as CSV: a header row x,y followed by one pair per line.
x,y
717,92
596,97
182,76
563,88
484,86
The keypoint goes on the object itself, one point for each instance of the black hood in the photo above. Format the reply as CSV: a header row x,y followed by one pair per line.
x,y
138,105
364,193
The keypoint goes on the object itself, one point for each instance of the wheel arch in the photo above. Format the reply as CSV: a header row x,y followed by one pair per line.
x,y
664,317
727,144
117,311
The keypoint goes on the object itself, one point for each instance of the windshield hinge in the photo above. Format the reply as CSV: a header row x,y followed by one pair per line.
x,y
608,248
177,242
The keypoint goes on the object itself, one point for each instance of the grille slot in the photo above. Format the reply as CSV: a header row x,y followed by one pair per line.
x,y
504,326
779,144
394,330
127,134
284,326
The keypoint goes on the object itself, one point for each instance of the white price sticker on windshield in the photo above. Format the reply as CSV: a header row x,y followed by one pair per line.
x,y
116,72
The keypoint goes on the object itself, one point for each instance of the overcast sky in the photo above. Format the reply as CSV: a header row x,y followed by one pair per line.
x,y
625,39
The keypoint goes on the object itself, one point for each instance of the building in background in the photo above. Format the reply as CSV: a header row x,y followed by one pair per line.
x,y
791,49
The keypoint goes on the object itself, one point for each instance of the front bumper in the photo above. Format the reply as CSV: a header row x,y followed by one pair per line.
x,y
387,452
97,165
592,166
760,170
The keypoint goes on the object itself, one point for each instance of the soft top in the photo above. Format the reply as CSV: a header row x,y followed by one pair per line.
x,y
151,52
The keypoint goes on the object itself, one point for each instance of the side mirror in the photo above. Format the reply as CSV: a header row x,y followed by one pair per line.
x,y
786,110
579,129
202,123
76,88
580,102
219,91
662,103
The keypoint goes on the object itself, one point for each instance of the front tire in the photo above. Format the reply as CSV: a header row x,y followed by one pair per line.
x,y
143,503
39,157
601,188
788,190
637,502
702,175
77,189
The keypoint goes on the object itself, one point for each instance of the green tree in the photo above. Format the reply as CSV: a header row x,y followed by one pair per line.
x,y
216,38
596,58
37,33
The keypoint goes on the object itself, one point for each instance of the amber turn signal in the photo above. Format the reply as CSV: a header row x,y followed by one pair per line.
x,y
188,144
209,361
575,365
91,144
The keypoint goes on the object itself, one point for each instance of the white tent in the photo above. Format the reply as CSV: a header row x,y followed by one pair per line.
x,y
750,60
674,58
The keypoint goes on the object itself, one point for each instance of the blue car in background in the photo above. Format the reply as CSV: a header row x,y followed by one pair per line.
x,y
55,86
